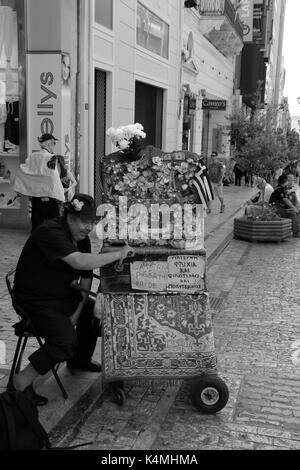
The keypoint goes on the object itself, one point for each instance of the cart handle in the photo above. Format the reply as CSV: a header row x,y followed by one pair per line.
x,y
75,285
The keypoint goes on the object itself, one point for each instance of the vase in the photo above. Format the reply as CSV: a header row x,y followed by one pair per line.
x,y
262,230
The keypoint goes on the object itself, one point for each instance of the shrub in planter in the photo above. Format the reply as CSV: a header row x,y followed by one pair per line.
x,y
267,226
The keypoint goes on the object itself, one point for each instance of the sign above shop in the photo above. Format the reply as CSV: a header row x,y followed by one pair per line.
x,y
214,105
245,11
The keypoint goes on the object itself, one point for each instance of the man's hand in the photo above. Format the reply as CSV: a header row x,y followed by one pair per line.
x,y
127,252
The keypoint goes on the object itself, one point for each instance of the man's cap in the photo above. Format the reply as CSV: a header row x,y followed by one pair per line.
x,y
82,206
45,137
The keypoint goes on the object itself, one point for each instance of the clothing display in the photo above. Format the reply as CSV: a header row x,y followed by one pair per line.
x,y
12,133
34,178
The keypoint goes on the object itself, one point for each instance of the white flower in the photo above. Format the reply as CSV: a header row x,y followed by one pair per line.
x,y
123,144
123,135
78,205
157,161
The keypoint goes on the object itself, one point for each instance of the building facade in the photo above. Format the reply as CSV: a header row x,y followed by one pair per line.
x,y
78,67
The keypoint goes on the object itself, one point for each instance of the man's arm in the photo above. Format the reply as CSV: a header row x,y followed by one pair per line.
x,y
85,283
222,174
289,203
87,261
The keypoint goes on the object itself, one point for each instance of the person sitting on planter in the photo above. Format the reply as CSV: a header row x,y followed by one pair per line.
x,y
256,203
283,205
292,191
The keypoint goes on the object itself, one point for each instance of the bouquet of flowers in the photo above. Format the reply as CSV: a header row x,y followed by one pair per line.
x,y
128,139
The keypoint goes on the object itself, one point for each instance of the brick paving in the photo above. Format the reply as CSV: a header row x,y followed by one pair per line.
x,y
256,319
256,328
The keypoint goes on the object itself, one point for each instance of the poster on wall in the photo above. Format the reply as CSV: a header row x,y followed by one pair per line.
x,y
49,100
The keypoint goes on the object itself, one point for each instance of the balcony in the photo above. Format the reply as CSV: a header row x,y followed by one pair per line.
x,y
221,25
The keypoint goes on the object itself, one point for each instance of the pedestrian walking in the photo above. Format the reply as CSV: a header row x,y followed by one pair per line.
x,y
238,173
216,172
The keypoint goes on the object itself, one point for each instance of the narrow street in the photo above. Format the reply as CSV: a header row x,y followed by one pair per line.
x,y
254,291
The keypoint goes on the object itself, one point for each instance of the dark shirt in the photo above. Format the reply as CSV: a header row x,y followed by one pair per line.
x,y
41,275
277,197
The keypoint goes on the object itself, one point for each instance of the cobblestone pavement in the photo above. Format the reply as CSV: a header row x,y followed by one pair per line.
x,y
256,314
254,293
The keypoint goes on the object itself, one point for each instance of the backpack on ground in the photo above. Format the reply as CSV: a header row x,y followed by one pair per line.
x,y
20,428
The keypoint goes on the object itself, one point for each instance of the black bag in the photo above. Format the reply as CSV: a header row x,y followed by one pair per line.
x,y
20,428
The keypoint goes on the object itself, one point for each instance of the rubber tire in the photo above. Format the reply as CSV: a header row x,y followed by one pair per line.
x,y
119,396
209,381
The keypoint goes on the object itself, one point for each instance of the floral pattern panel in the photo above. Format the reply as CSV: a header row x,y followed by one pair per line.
x,y
150,336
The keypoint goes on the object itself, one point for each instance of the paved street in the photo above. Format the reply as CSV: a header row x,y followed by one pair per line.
x,y
255,288
254,292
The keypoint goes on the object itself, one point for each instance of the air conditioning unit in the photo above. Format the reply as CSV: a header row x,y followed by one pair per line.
x,y
190,3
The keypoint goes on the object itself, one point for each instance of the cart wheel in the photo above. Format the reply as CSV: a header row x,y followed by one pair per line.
x,y
209,394
119,396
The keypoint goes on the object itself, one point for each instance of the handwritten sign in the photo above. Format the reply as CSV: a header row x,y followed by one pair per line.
x,y
149,275
186,273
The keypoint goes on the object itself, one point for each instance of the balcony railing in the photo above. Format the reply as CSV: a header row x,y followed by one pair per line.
x,y
221,25
221,8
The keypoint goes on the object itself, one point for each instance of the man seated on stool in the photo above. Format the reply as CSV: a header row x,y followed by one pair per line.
x,y
57,253
256,203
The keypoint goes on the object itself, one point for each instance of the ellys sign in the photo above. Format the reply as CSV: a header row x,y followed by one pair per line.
x,y
215,105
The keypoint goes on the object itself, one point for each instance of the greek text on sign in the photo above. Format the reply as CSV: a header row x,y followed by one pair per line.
x,y
149,275
217,105
186,273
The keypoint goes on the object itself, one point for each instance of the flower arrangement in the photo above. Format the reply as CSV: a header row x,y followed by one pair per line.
x,y
155,178
78,205
128,139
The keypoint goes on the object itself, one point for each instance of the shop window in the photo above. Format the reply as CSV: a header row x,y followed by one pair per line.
x,y
104,13
9,103
151,32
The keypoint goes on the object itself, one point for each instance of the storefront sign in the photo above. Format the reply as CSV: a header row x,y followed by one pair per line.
x,y
186,273
193,105
149,275
214,105
49,100
246,16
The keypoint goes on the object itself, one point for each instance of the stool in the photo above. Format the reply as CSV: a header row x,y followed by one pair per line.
x,y
24,330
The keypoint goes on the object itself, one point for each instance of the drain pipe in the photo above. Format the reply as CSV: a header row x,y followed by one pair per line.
x,y
77,118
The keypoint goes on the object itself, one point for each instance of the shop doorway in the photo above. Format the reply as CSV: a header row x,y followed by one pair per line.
x,y
205,134
99,129
188,123
149,112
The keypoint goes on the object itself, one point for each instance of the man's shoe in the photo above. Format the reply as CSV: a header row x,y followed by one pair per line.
x,y
89,366
37,399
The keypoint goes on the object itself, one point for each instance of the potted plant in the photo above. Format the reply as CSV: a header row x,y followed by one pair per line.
x,y
267,226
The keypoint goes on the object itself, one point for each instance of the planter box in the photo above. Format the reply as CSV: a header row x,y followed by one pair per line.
x,y
262,230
